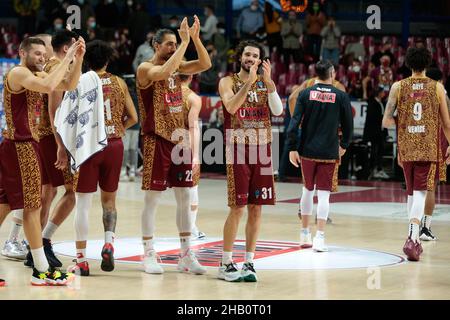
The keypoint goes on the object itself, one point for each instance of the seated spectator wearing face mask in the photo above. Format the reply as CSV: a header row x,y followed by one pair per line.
x,y
144,52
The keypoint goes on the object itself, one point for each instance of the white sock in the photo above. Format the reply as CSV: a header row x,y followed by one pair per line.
x,y
249,257
427,221
418,205
305,230
49,230
320,234
81,255
194,220
109,237
148,246
39,259
185,244
15,230
409,204
414,231
227,257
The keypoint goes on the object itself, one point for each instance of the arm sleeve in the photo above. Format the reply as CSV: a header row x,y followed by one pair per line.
x,y
296,118
346,122
275,104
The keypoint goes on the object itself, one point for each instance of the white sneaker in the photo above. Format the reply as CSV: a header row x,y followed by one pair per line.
x,y
132,176
380,175
305,240
151,264
14,249
319,244
229,272
248,272
189,263
123,175
197,235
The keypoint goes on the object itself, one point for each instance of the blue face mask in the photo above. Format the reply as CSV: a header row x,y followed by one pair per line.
x,y
58,26
93,25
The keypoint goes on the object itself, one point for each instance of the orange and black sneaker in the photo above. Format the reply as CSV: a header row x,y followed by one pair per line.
x,y
107,257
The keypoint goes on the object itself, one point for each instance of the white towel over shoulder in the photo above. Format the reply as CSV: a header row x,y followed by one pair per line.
x,y
80,120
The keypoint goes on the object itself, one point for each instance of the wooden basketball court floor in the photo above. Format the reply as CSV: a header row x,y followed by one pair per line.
x,y
365,260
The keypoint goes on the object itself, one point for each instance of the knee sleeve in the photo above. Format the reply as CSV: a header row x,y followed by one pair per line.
x,y
323,206
306,202
148,214
83,205
184,220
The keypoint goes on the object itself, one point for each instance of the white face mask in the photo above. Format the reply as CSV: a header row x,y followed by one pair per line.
x,y
253,7
356,69
110,1
129,3
81,2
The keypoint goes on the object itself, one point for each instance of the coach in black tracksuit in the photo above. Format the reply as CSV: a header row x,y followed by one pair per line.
x,y
320,111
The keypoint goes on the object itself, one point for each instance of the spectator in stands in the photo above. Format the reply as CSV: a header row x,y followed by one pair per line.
x,y
139,23
107,14
375,133
27,11
385,51
58,24
291,30
380,76
249,21
331,35
92,31
174,24
354,50
86,11
220,42
209,29
356,90
210,77
145,51
315,21
272,23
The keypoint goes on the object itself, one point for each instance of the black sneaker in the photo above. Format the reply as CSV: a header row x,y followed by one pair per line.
x,y
107,257
50,255
427,235
52,277
248,272
29,259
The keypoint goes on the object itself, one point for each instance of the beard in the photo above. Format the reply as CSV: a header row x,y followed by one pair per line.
x,y
33,66
244,67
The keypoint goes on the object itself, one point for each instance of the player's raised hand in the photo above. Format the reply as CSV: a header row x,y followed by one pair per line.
x,y
253,75
267,71
184,31
194,30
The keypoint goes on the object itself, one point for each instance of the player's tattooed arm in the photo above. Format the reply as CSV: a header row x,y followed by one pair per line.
x,y
388,118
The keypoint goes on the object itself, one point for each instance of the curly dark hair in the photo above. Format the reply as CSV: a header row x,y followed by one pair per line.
x,y
417,59
98,54
248,43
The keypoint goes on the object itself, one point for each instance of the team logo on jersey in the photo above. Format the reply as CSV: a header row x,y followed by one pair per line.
x,y
260,86
257,193
322,96
180,176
